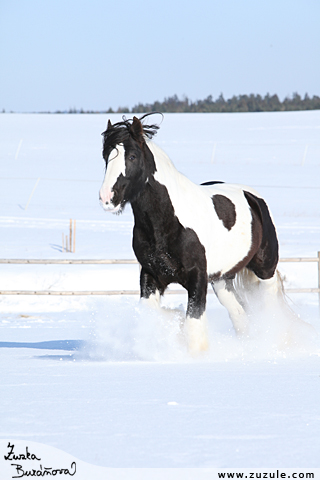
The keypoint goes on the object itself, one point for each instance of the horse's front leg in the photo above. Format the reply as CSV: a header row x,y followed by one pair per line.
x,y
196,321
149,290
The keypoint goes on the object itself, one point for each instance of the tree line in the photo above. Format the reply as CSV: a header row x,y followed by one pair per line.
x,y
237,103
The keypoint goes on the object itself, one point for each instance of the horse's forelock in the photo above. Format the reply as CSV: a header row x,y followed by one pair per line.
x,y
122,131
113,136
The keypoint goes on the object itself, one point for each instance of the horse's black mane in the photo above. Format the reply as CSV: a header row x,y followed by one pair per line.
x,y
121,131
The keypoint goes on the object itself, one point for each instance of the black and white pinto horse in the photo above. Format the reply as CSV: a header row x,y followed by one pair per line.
x,y
188,234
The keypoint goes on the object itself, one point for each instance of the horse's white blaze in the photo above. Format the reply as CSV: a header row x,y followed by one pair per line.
x,y
116,167
194,208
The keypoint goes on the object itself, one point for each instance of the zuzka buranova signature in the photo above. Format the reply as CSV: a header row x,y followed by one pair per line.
x,y
22,471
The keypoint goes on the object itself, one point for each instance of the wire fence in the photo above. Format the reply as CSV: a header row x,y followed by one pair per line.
x,y
127,262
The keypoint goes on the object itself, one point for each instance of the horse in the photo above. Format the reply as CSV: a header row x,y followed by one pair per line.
x,y
186,233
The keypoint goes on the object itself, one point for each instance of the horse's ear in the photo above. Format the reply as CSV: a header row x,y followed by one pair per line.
x,y
137,129
109,124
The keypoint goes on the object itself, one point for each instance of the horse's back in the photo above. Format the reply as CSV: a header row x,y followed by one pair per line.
x,y
214,188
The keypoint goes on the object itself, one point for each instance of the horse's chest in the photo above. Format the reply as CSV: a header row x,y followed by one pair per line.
x,y
163,265
156,251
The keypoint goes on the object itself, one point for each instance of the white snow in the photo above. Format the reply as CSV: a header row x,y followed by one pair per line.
x,y
110,381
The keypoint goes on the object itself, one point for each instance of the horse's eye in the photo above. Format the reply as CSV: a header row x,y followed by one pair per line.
x,y
132,157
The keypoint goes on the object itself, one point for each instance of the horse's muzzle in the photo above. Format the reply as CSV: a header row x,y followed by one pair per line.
x,y
109,207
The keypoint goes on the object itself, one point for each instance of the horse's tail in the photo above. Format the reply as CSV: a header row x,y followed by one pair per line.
x,y
246,279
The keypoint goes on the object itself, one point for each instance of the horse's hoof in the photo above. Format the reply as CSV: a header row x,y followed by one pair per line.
x,y
241,332
197,335
241,326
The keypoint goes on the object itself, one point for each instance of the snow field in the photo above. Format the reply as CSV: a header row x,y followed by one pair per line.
x,y
110,381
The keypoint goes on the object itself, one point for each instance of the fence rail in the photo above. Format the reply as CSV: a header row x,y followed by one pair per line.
x,y
67,262
125,262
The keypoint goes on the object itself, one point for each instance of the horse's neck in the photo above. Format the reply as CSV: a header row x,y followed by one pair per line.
x,y
167,194
166,173
153,208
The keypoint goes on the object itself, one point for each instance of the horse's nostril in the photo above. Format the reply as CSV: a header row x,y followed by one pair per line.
x,y
105,196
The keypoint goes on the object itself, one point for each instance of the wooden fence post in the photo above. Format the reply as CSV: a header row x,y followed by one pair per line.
x,y
31,194
74,236
69,242
70,236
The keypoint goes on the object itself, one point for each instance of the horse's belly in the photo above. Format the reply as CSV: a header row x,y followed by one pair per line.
x,y
226,250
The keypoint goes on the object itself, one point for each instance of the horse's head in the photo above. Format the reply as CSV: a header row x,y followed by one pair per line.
x,y
129,162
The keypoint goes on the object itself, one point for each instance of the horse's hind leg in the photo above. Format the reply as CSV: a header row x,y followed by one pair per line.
x,y
271,287
228,297
271,292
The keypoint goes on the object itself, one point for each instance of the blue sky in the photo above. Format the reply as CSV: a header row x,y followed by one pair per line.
x,y
96,54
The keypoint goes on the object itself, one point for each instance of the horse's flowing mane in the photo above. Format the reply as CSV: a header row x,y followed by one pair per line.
x,y
121,131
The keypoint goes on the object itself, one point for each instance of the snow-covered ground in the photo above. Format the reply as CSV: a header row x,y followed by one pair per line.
x,y
110,382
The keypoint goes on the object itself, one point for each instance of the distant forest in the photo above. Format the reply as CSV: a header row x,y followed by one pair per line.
x,y
238,103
